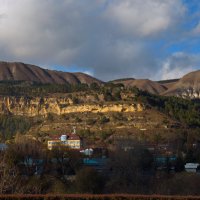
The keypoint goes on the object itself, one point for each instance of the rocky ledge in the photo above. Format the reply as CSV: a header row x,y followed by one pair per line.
x,y
43,106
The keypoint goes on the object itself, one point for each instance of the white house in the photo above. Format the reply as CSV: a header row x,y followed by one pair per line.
x,y
71,140
192,167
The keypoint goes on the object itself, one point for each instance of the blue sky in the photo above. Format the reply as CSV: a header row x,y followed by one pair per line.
x,y
109,39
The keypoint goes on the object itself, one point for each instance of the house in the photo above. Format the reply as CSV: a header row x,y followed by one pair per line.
x,y
192,167
97,163
87,152
3,147
71,140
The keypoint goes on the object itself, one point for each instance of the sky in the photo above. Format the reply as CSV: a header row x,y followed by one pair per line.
x,y
108,39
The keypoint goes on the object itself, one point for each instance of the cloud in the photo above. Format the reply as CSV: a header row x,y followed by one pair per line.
x,y
88,72
196,30
145,17
178,65
110,38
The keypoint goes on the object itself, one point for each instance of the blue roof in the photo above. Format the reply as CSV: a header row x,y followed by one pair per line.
x,y
3,146
94,161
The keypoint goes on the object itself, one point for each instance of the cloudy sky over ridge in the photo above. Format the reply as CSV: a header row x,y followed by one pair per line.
x,y
109,39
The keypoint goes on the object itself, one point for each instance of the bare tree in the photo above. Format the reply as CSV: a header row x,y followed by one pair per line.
x,y
8,175
27,151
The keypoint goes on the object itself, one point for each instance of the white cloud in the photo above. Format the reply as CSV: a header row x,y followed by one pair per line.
x,y
196,30
146,17
178,65
88,72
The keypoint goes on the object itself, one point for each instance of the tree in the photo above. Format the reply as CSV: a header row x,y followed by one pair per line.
x,y
26,151
94,86
9,175
104,120
89,181
68,160
117,95
127,170
108,96
75,100
179,164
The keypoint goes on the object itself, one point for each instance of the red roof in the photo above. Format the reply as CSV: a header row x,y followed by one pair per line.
x,y
54,137
73,137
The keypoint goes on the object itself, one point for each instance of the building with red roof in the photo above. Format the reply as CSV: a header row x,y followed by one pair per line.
x,y
71,140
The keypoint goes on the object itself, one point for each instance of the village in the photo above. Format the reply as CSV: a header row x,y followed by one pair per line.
x,y
59,145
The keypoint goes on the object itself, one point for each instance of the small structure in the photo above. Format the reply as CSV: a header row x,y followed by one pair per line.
x,y
192,167
71,140
87,152
3,147
97,163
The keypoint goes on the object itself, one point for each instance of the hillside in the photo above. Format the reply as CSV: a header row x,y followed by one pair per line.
x,y
187,87
16,71
106,117
168,83
98,112
142,84
43,102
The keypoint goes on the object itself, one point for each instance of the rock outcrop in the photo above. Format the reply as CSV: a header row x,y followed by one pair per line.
x,y
187,87
31,107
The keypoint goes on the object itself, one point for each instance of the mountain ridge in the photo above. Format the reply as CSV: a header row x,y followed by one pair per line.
x,y
26,72
186,87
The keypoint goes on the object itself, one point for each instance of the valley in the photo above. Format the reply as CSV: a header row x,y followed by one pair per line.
x,y
150,125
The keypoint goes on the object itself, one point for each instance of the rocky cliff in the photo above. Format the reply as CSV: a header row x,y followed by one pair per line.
x,y
42,106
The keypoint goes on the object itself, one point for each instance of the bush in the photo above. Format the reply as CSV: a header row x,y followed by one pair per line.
x,y
89,181
117,95
50,117
10,125
91,121
105,134
78,119
85,133
119,116
104,120
75,100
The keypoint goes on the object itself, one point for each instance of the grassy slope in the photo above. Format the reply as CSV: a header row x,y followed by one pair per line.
x,y
162,114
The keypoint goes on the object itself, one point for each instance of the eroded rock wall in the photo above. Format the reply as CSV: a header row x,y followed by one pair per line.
x,y
42,106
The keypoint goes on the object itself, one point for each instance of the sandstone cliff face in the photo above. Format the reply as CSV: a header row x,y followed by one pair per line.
x,y
62,105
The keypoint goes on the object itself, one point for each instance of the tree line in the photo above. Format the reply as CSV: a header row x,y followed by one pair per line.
x,y
184,110
27,167
10,125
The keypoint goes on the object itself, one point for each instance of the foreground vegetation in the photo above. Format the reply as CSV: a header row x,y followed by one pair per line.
x,y
27,167
96,197
184,110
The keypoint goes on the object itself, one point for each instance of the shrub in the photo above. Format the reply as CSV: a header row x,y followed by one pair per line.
x,y
104,120
10,125
89,181
91,121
